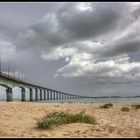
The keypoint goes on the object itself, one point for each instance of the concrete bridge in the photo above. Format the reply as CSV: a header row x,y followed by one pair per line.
x,y
10,82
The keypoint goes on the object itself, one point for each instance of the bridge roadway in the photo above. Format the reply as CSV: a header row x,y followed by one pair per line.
x,y
10,82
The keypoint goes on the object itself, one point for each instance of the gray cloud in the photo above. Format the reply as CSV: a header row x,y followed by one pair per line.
x,y
90,23
124,46
91,44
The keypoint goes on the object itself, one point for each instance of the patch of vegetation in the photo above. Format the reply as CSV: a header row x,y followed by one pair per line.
x,y
137,106
107,105
59,118
125,109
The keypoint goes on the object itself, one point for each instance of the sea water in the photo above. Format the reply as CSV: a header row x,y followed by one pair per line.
x,y
87,100
94,100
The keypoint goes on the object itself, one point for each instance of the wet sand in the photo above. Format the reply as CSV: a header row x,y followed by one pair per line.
x,y
17,119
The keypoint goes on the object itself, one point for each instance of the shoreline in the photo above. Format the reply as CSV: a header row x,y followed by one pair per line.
x,y
18,120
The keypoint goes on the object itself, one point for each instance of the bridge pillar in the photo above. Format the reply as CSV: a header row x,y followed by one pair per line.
x,y
40,94
59,95
50,94
47,94
44,94
31,94
54,95
23,96
9,94
36,94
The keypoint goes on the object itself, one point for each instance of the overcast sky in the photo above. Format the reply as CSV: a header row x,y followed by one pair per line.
x,y
81,48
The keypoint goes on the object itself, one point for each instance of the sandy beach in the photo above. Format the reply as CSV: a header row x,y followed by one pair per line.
x,y
17,119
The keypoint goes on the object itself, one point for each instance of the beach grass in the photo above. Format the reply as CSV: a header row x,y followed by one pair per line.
x,y
59,118
125,109
137,106
107,105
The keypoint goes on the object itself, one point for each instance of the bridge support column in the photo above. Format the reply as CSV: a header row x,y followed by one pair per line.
x,y
9,94
67,96
47,94
23,96
31,94
36,94
57,95
44,94
40,94
50,94
54,95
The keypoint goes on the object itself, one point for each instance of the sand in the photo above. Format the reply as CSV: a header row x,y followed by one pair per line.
x,y
17,119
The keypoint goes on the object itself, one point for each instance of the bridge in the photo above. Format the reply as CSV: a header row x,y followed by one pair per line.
x,y
9,82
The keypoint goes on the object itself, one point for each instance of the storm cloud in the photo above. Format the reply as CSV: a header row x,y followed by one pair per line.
x,y
86,42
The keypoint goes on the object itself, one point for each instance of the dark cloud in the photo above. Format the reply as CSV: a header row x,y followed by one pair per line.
x,y
91,44
90,23
120,48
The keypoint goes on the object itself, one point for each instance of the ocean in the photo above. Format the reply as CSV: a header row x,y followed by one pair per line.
x,y
88,100
94,100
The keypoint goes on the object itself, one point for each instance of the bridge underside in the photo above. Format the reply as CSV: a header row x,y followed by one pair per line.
x,y
45,94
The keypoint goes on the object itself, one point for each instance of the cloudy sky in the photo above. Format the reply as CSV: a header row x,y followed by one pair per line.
x,y
81,48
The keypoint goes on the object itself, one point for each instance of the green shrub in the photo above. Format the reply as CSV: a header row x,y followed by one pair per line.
x,y
58,118
137,106
125,109
107,105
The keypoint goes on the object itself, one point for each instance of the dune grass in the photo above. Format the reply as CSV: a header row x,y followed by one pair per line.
x,y
107,105
125,109
136,106
59,118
